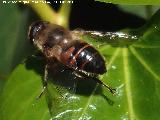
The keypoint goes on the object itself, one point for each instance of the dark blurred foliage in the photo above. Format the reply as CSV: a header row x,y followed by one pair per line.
x,y
93,15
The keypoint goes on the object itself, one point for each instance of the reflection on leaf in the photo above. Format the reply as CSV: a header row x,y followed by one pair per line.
x,y
132,69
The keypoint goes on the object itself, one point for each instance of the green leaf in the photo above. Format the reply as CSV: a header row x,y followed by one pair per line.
x,y
144,11
18,99
133,69
13,37
132,2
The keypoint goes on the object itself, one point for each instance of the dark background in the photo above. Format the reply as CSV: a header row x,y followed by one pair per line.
x,y
92,15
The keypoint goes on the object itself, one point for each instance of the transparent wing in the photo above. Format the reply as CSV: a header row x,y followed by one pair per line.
x,y
57,77
61,91
66,92
103,38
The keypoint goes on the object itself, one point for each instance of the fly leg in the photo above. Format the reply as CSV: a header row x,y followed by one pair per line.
x,y
112,90
80,74
45,80
77,74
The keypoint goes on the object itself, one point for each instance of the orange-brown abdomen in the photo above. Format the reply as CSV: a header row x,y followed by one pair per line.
x,y
82,56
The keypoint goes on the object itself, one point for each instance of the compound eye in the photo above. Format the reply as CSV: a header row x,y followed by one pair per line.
x,y
34,29
55,37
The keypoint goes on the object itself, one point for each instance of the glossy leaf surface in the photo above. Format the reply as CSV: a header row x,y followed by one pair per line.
x,y
133,69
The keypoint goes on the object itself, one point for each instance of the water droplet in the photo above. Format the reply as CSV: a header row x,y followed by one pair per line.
x,y
155,27
114,67
120,90
85,117
72,98
125,116
119,105
51,118
93,107
61,114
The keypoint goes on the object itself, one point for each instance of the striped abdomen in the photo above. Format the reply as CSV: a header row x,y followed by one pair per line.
x,y
82,56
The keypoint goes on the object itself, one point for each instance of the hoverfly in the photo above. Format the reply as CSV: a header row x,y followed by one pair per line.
x,y
57,42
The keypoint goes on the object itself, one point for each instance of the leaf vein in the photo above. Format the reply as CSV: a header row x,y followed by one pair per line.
x,y
132,115
142,61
